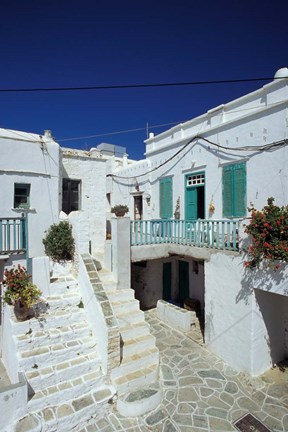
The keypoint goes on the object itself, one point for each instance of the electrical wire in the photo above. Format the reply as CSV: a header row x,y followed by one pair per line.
x,y
266,147
127,86
119,132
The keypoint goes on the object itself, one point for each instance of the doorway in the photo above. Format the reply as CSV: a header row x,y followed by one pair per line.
x,y
138,207
195,196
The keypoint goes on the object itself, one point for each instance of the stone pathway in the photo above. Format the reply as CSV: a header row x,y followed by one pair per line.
x,y
202,393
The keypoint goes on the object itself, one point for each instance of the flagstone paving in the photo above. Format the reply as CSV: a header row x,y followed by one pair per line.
x,y
201,392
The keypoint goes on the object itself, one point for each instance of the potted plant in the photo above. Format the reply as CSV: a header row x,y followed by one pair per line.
x,y
119,210
20,292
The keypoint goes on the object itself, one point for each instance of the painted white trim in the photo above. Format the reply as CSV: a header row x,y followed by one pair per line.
x,y
13,171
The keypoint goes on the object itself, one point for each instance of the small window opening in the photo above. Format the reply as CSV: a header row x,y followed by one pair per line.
x,y
21,195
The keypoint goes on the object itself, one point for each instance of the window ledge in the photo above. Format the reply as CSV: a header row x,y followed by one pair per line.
x,y
23,210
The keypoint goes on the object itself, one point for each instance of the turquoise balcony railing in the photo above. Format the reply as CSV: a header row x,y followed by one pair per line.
x,y
216,234
13,235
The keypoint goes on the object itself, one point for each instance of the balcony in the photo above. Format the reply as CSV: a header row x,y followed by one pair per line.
x,y
213,234
13,235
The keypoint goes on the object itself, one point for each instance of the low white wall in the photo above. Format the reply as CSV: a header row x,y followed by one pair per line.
x,y
175,317
9,352
94,314
41,274
13,403
121,251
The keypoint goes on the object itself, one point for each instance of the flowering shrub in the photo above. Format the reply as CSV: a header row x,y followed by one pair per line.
x,y
19,287
268,229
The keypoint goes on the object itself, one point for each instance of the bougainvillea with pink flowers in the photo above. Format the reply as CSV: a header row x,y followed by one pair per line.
x,y
268,229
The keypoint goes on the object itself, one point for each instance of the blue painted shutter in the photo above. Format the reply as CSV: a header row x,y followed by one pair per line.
x,y
166,203
191,204
227,190
239,190
234,190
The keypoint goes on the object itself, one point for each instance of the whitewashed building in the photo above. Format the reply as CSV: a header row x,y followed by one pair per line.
x,y
194,188
185,243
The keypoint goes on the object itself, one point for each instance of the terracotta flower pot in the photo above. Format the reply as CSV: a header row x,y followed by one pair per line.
x,y
21,311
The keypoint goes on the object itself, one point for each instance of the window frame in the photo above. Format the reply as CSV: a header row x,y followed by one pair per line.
x,y
69,199
27,188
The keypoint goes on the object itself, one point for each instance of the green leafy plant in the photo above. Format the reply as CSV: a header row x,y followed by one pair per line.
x,y
119,209
19,288
268,229
59,242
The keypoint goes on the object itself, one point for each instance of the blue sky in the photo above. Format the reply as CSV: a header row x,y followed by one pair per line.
x,y
72,43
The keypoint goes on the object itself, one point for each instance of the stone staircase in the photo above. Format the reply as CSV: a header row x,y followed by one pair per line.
x,y
58,355
136,379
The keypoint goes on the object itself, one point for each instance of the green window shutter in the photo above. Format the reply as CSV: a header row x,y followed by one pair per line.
x,y
239,190
166,200
227,190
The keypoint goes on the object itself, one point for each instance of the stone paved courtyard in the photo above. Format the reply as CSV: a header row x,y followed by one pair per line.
x,y
202,393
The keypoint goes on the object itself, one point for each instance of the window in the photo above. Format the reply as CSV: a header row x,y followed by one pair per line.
x,y
21,195
166,200
195,180
234,190
70,195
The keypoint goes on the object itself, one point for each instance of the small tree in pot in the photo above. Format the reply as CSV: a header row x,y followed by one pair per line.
x,y
59,242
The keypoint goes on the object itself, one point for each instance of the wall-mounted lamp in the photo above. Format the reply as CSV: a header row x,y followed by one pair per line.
x,y
148,199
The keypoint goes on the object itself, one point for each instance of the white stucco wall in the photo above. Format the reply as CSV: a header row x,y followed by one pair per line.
x,y
255,119
91,170
244,325
228,311
32,159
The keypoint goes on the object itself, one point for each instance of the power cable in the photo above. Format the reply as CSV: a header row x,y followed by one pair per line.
x,y
127,86
269,146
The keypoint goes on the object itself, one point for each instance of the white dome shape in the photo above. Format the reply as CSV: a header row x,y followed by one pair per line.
x,y
281,73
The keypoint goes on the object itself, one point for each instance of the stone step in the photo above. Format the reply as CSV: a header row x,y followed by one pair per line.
x,y
62,285
121,295
65,390
49,320
133,330
69,415
125,318
128,306
137,344
132,363
60,301
55,335
140,401
56,353
140,378
40,378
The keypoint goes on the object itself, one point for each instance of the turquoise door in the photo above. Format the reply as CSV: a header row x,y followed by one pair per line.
x,y
195,196
166,281
183,275
191,204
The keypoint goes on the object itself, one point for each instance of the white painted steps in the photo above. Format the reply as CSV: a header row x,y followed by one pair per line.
x,y
58,354
139,368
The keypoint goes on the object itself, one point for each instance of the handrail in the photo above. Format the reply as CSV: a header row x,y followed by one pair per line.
x,y
13,235
216,234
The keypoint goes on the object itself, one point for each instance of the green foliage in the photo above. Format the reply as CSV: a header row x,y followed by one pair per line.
x,y
59,242
268,229
19,287
119,209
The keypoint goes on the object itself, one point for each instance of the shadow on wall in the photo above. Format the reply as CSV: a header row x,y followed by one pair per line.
x,y
265,278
